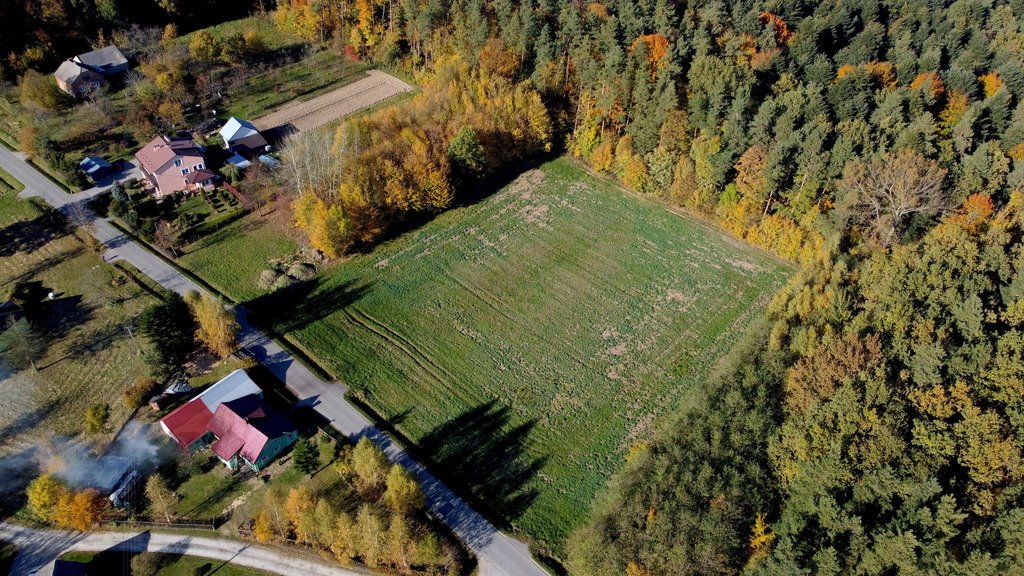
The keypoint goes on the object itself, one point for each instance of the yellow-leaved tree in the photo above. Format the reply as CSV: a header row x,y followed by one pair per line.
x,y
218,327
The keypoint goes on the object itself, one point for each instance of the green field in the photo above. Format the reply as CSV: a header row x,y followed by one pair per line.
x,y
231,258
527,342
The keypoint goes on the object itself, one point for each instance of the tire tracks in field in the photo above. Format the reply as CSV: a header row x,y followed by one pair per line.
x,y
422,361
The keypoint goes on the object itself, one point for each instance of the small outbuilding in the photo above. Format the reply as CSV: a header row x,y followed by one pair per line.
x,y
239,161
96,168
242,137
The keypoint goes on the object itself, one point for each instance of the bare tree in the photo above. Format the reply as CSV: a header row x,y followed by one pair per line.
x,y
166,238
880,194
312,163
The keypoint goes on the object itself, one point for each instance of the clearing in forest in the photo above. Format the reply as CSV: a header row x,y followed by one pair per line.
x,y
528,341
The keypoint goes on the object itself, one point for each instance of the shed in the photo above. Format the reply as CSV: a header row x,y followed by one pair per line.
x,y
95,167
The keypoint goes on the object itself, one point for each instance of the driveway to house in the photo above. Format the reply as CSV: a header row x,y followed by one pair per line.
x,y
498,554
37,548
375,87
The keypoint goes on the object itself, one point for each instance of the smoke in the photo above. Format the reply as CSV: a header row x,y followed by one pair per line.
x,y
138,447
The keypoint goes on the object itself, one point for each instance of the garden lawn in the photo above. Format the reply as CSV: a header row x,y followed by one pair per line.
x,y
90,355
526,343
208,491
232,258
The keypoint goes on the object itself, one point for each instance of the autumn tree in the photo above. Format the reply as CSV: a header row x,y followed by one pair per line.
x,y
79,510
403,493
370,465
161,498
262,529
204,46
880,194
96,417
44,493
217,326
299,508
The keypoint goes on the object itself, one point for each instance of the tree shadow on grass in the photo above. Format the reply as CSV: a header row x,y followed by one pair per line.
x,y
483,453
29,235
302,304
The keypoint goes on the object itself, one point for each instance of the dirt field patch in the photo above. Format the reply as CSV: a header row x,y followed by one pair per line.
x,y
309,114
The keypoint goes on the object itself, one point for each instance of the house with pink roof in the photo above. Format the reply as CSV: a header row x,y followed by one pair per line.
x,y
173,164
232,418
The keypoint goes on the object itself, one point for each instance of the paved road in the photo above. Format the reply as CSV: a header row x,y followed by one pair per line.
x,y
40,547
498,554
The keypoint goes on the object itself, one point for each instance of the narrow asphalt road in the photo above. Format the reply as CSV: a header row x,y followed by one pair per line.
x,y
498,554
40,547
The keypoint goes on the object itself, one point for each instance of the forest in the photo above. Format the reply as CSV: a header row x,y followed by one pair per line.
x,y
874,421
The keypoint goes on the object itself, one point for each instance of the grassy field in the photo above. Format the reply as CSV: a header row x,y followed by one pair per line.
x,y
90,356
317,73
8,183
109,563
527,342
231,258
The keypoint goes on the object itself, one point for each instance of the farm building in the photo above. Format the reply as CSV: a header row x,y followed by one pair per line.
x,y
172,164
233,419
86,73
241,137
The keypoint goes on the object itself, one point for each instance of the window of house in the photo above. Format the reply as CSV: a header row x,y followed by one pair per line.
x,y
184,172
177,162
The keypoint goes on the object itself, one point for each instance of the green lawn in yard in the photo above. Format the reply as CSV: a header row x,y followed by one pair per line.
x,y
90,356
526,342
208,491
273,37
119,563
232,258
322,71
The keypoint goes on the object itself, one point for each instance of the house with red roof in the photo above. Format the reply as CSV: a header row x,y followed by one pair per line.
x,y
172,164
232,418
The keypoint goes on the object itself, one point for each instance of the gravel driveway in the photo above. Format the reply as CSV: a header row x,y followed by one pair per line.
x,y
309,114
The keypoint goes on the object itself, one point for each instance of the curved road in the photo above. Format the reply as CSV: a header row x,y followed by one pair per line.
x,y
40,547
497,554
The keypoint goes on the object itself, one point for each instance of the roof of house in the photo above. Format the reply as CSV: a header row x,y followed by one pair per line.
x,y
93,164
69,71
191,421
199,176
163,149
236,129
240,161
106,57
110,471
244,426
269,160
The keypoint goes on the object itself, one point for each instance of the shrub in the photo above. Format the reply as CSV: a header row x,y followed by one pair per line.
x,y
96,417
136,394
267,279
302,271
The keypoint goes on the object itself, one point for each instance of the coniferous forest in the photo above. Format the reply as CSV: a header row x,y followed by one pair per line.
x,y
873,422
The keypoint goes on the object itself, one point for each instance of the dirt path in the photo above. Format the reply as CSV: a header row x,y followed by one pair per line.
x,y
309,114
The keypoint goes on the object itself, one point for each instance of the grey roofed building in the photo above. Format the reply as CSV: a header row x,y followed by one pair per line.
x,y
241,137
86,72
95,167
106,61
